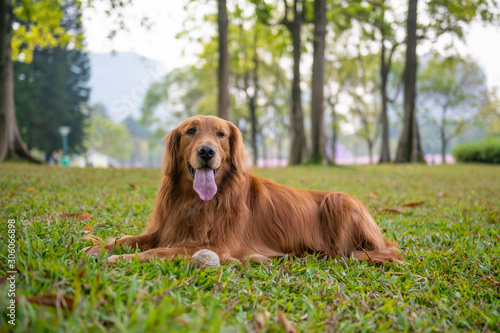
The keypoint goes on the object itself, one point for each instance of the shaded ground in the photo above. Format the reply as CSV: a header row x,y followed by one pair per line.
x,y
449,238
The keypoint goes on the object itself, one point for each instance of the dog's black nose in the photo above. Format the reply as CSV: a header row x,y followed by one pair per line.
x,y
206,152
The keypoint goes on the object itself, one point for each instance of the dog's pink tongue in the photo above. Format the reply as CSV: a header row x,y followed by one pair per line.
x,y
204,183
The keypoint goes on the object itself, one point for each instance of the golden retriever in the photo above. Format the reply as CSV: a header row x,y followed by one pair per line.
x,y
209,200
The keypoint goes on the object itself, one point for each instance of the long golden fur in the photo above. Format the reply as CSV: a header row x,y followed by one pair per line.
x,y
249,217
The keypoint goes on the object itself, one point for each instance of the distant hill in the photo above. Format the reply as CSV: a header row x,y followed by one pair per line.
x,y
120,81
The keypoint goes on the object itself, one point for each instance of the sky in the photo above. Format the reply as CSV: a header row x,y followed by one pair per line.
x,y
167,16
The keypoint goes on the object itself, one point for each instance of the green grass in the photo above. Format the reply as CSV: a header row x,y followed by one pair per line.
x,y
450,281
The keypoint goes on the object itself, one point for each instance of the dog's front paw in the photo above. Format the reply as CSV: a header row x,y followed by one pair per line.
x,y
94,251
114,259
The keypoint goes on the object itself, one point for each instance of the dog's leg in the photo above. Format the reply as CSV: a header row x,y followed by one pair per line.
x,y
164,253
351,230
141,242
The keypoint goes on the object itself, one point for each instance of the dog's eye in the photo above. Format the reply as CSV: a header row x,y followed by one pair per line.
x,y
221,134
191,131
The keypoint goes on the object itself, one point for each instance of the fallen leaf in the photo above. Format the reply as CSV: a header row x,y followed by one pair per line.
x,y
394,210
442,194
472,192
99,225
283,320
88,228
30,189
57,301
132,186
414,204
498,237
373,194
260,323
82,273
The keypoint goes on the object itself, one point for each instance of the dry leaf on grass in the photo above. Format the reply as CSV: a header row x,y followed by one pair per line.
x,y
260,321
132,186
31,189
442,194
283,320
394,210
82,273
57,301
88,228
414,204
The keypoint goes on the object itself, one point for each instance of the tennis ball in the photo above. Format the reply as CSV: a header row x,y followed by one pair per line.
x,y
205,258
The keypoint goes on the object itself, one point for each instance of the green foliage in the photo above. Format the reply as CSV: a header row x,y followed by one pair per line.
x,y
448,283
453,82
42,24
453,91
255,53
489,115
487,151
103,135
447,16
51,90
41,27
182,93
192,90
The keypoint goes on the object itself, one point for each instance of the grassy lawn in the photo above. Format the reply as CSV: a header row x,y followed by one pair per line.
x,y
450,240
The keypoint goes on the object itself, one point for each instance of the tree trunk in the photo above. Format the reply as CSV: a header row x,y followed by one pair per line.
x,y
298,144
11,143
318,82
252,99
370,150
279,148
264,149
223,71
335,128
443,149
385,154
409,146
334,135
297,132
442,131
253,123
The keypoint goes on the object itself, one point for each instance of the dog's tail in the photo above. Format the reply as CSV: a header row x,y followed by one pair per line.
x,y
351,230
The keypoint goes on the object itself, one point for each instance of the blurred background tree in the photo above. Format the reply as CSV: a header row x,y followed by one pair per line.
x,y
453,91
104,136
26,26
51,90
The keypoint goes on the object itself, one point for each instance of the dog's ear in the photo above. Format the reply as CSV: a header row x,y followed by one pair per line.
x,y
171,152
239,154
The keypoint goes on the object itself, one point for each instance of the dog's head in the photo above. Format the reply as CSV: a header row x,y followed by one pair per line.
x,y
204,150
